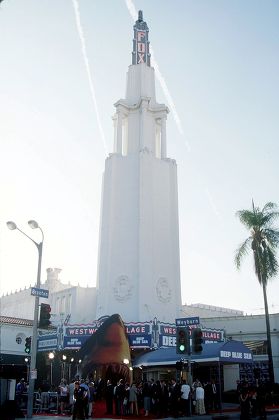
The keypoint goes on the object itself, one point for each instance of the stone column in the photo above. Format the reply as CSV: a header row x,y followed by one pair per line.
x,y
163,138
114,119
119,132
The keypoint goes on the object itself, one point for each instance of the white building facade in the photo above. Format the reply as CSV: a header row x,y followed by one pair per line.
x,y
71,303
139,267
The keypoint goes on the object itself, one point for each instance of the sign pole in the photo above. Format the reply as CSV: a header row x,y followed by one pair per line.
x,y
34,339
190,376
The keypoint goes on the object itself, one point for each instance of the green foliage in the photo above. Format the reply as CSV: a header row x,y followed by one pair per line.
x,y
263,240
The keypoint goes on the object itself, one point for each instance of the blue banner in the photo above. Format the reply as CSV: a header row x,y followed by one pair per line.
x,y
153,334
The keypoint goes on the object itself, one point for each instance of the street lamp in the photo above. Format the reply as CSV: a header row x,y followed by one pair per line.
x,y
27,361
51,357
32,370
63,366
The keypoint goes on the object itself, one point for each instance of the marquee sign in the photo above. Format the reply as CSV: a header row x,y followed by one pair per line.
x,y
140,42
141,47
153,334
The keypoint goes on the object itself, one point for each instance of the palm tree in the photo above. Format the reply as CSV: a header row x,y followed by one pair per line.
x,y
263,240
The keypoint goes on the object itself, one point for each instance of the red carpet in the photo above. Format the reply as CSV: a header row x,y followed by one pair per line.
x,y
99,410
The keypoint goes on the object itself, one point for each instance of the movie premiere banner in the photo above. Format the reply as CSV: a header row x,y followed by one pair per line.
x,y
151,334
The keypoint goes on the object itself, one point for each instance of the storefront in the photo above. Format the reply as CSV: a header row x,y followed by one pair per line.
x,y
218,361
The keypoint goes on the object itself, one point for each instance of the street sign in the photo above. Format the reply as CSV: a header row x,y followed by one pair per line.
x,y
33,374
35,291
47,342
187,322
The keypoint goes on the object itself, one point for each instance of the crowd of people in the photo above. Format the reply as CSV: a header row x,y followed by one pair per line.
x,y
160,398
252,400
156,398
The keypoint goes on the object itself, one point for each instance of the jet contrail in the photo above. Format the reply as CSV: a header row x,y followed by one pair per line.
x,y
86,62
131,7
211,202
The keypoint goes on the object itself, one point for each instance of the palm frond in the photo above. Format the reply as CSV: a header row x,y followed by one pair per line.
x,y
247,218
271,262
263,238
242,251
272,236
268,207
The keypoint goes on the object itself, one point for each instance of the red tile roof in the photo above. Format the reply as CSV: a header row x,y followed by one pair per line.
x,y
16,321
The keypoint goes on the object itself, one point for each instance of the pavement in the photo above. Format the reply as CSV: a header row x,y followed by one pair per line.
x,y
211,417
271,414
230,411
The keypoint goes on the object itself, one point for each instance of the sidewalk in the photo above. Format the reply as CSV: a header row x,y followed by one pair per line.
x,y
272,413
229,411
206,417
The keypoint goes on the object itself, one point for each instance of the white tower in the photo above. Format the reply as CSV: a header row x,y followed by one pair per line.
x,y
139,269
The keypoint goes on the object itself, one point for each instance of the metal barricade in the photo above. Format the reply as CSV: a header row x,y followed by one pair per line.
x,y
22,401
37,402
45,401
53,402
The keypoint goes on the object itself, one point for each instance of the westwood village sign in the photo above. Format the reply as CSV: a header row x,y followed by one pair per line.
x,y
153,334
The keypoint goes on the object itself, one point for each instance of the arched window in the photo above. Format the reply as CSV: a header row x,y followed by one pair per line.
x,y
19,339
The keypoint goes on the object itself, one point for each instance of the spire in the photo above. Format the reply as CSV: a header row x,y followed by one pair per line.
x,y
140,52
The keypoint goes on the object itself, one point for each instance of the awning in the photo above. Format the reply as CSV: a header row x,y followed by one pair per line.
x,y
229,352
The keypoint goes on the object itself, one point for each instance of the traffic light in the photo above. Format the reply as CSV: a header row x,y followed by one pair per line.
x,y
182,340
197,340
28,341
45,315
179,365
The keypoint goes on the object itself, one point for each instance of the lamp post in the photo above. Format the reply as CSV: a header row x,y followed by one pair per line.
x,y
33,225
51,357
78,364
70,368
64,358
27,361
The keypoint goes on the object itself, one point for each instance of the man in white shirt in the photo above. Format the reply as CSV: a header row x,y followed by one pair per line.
x,y
185,398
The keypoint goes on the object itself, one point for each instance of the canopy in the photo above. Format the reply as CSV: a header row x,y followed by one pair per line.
x,y
229,352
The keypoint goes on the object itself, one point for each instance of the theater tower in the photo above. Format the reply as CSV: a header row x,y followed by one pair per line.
x,y
138,267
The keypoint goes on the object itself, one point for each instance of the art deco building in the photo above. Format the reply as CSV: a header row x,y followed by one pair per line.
x,y
139,267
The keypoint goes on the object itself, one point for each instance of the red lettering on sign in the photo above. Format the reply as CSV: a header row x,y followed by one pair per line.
x,y
141,47
141,36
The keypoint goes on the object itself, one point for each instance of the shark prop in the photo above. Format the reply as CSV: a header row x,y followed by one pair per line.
x,y
106,350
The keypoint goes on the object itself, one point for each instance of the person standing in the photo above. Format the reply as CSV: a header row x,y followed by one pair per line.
x,y
185,398
175,394
85,387
91,397
244,404
163,400
63,396
20,389
214,396
119,397
71,395
146,394
109,397
133,399
200,408
78,407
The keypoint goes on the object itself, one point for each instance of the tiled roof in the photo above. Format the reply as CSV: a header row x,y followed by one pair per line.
x,y
16,321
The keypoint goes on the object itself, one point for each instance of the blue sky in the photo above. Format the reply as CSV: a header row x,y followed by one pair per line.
x,y
220,62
